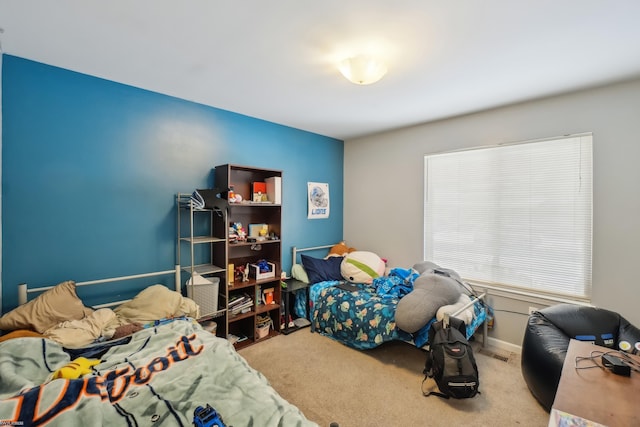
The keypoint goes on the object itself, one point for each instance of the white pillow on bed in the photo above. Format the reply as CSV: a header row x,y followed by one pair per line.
x,y
466,315
299,273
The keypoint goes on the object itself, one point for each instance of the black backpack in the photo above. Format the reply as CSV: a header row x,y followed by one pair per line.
x,y
450,361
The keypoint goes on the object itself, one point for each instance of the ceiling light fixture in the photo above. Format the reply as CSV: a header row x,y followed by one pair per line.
x,y
362,69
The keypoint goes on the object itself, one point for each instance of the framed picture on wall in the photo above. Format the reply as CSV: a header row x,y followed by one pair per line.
x,y
318,200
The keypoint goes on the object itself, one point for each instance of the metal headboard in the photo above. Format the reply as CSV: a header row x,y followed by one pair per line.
x,y
295,251
24,291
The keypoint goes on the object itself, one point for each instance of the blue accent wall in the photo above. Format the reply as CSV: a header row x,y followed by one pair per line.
x,y
90,170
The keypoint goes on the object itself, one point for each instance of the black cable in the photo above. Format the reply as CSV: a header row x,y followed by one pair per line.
x,y
463,284
593,357
510,311
633,363
597,354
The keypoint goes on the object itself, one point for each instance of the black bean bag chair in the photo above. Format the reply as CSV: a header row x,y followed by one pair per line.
x,y
547,336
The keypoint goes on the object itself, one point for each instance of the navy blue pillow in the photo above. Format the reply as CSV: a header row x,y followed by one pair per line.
x,y
321,270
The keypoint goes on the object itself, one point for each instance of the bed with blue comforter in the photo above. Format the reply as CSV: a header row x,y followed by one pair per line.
x,y
362,319
363,316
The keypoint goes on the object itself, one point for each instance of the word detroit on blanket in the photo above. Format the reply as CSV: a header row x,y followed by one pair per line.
x,y
112,385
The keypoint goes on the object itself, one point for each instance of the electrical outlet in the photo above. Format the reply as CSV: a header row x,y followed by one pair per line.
x,y
532,309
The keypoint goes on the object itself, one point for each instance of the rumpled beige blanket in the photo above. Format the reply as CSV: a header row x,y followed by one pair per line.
x,y
153,303
80,333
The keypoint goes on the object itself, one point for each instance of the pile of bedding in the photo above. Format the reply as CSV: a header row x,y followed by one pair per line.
x,y
60,315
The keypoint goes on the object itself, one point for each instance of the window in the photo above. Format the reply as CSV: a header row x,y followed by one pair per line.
x,y
516,215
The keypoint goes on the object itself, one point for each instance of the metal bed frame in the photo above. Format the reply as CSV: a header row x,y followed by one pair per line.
x,y
24,290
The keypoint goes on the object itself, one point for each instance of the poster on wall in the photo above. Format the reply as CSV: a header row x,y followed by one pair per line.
x,y
318,200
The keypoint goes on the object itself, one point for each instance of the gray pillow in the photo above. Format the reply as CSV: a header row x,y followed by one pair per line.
x,y
425,267
430,292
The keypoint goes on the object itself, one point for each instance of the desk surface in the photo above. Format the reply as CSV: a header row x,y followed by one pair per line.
x,y
597,394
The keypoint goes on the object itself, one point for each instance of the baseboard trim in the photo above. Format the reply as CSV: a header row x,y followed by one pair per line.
x,y
494,343
504,345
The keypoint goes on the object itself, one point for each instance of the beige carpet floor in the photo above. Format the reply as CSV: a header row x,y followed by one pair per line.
x,y
331,382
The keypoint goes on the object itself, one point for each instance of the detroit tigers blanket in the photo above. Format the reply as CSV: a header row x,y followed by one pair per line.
x,y
157,378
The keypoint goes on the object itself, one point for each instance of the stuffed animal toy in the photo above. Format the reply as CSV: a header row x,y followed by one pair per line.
x,y
76,369
362,267
425,267
126,330
340,249
430,292
466,316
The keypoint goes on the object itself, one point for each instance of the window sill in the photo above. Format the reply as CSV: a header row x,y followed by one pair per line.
x,y
524,295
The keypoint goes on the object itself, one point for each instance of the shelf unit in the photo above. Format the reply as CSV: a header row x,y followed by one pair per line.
x,y
201,248
243,253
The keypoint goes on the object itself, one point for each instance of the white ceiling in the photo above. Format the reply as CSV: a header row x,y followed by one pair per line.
x,y
277,60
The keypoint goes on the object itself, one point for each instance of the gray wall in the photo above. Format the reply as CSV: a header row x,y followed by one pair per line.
x,y
384,193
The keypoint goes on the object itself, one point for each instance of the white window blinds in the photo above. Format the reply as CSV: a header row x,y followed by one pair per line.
x,y
517,215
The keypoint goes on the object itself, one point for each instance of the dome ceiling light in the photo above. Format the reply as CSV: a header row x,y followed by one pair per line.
x,y
363,69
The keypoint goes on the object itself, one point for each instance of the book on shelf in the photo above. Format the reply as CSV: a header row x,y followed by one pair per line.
x,y
231,273
243,311
240,303
238,298
274,189
244,301
242,308
235,338
245,308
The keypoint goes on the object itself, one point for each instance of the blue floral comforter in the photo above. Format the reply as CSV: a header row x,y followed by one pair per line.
x,y
363,316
